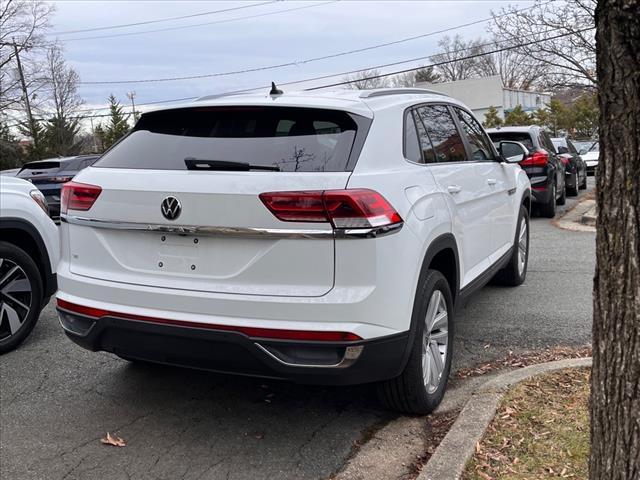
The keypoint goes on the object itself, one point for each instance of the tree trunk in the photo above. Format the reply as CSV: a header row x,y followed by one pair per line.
x,y
615,383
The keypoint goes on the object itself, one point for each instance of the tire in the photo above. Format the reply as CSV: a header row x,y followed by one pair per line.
x,y
20,296
548,209
411,393
573,191
583,185
563,198
515,272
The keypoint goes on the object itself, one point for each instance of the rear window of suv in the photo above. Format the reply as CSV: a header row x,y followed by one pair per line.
x,y
292,139
522,137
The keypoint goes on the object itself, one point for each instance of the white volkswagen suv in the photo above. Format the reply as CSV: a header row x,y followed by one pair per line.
x,y
322,238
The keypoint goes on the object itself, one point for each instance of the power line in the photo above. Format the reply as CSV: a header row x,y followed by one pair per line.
x,y
159,20
227,20
346,82
310,60
437,64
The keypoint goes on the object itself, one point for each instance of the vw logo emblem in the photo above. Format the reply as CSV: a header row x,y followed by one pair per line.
x,y
171,208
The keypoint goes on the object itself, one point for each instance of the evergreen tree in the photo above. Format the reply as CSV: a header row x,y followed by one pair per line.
x,y
492,118
10,150
36,149
584,116
60,137
517,117
558,117
427,75
117,126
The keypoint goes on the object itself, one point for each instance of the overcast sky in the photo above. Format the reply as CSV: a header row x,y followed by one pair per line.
x,y
230,42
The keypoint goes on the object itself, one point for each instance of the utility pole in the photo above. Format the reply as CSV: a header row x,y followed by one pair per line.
x,y
131,96
32,125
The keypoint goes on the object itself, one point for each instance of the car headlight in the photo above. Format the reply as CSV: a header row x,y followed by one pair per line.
x,y
38,197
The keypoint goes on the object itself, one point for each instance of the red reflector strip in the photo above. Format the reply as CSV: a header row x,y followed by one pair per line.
x,y
253,332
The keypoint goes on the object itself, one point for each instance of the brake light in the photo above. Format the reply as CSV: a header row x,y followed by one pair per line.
x,y
253,332
78,196
354,208
539,158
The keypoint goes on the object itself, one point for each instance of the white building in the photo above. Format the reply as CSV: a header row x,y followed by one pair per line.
x,y
481,93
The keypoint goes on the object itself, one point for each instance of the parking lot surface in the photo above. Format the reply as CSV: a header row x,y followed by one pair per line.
x,y
57,400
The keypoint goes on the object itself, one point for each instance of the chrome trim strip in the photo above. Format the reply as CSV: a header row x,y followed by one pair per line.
x,y
351,354
234,231
199,230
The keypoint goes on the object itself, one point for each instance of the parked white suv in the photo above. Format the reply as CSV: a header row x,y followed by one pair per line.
x,y
322,238
29,250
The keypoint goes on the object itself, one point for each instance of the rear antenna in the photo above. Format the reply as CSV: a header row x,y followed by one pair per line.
x,y
275,90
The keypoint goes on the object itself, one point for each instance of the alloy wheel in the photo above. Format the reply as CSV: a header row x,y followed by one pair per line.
x,y
434,341
15,297
523,241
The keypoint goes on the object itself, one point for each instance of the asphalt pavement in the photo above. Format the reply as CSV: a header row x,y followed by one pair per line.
x,y
57,400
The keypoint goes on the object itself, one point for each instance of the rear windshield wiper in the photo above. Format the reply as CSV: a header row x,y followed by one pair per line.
x,y
198,164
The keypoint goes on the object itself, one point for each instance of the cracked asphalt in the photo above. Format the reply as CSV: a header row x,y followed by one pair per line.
x,y
57,400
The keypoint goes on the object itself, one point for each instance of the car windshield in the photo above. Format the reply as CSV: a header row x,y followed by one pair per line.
x,y
285,138
595,147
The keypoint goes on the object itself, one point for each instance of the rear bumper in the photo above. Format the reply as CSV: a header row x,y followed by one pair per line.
x,y
307,362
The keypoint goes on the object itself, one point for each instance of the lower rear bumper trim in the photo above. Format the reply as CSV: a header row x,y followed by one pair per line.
x,y
236,353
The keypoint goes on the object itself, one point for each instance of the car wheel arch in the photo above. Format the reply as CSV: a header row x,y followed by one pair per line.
x,y
25,236
441,254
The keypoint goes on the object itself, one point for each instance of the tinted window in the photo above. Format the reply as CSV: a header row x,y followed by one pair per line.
x,y
293,139
428,153
411,144
522,137
443,133
478,140
546,143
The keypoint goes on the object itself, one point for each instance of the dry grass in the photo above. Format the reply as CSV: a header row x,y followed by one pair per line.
x,y
541,430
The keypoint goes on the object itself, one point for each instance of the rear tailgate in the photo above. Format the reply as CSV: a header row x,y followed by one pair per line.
x,y
231,243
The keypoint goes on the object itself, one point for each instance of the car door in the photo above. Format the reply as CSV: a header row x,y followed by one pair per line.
x,y
498,183
458,178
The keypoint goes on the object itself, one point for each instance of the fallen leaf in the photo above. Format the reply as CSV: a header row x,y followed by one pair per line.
x,y
259,435
113,440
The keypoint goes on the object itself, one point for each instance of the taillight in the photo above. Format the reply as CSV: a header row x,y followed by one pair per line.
x,y
78,196
356,208
539,158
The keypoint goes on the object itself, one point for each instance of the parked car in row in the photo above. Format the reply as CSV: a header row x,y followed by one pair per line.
x,y
591,156
49,175
323,238
542,164
575,167
29,249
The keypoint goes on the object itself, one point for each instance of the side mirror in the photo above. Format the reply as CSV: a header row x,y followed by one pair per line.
x,y
563,150
513,152
583,150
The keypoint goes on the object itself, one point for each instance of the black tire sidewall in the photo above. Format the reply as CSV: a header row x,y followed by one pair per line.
x,y
427,402
21,258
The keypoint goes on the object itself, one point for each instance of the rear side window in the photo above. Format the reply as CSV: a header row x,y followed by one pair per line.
x,y
411,143
522,137
546,143
292,139
441,129
478,141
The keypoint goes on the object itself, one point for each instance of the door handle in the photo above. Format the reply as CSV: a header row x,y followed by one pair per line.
x,y
491,181
453,189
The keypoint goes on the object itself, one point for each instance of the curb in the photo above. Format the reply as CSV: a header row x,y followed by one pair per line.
x,y
450,458
589,218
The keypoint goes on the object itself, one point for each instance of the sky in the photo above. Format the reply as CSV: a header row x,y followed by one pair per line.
x,y
228,41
